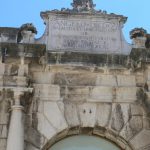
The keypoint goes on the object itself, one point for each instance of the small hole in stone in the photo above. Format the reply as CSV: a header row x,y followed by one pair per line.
x,y
90,111
84,111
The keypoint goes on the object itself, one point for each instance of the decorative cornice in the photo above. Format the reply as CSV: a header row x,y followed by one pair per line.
x,y
83,7
100,13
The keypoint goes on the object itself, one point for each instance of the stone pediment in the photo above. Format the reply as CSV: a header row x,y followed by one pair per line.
x,y
87,31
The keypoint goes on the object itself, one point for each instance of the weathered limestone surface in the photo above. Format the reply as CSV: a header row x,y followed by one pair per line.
x,y
2,70
87,114
47,92
54,116
93,100
43,77
69,102
82,79
103,114
74,100
80,33
45,127
71,114
3,143
101,94
106,80
126,94
126,80
141,141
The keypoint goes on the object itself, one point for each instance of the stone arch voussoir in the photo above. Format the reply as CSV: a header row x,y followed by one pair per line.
x,y
96,131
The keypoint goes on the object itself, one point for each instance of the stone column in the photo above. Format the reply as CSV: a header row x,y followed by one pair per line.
x,y
2,65
15,139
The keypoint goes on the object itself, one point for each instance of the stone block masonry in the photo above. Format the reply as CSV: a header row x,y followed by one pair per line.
x,y
80,77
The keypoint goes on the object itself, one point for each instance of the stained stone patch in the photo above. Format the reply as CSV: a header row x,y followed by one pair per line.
x,y
39,106
47,92
14,69
1,96
101,94
136,110
133,127
126,112
10,81
117,120
142,140
103,114
148,74
75,79
146,122
126,94
2,70
106,80
4,118
21,81
3,131
4,114
76,93
71,114
33,137
1,80
140,80
146,147
3,143
43,77
15,81
23,70
31,147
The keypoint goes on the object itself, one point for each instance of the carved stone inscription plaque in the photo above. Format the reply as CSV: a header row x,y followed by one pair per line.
x,y
85,35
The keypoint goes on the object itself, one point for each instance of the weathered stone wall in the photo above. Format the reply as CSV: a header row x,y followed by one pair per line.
x,y
84,79
74,99
8,34
68,99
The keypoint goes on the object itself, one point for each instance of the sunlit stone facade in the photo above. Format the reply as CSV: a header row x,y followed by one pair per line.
x,y
81,78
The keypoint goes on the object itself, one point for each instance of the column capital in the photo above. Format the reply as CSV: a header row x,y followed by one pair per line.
x,y
18,92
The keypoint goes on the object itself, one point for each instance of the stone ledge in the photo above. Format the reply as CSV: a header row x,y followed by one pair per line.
x,y
31,50
87,58
99,93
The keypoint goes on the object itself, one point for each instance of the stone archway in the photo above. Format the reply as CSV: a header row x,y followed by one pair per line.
x,y
103,134
84,142
107,105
